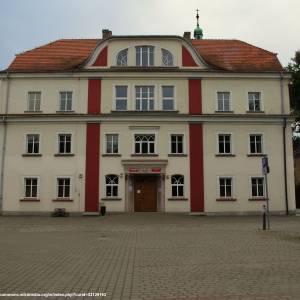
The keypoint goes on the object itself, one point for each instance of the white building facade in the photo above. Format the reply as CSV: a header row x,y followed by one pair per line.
x,y
145,123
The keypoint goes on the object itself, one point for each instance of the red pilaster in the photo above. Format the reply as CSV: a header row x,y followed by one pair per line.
x,y
195,96
94,96
187,59
196,168
92,168
101,60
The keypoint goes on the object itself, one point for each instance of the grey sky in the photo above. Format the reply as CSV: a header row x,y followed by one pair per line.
x,y
271,24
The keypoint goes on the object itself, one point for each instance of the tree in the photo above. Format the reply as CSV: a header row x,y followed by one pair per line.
x,y
294,88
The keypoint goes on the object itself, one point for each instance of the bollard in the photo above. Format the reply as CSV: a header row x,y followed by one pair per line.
x,y
264,217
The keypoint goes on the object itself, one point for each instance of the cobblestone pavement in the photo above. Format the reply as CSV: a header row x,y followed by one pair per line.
x,y
151,256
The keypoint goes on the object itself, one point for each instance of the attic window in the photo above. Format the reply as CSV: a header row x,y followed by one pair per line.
x,y
122,58
167,57
144,56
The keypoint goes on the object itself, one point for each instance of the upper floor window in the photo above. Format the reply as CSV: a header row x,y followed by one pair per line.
x,y
144,143
168,98
224,143
111,182
255,143
254,101
223,101
31,187
167,57
176,143
144,56
64,143
34,101
121,97
112,143
32,143
65,101
63,187
177,183
257,187
144,98
122,58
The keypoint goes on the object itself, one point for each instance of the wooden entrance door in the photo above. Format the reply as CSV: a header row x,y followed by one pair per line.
x,y
145,193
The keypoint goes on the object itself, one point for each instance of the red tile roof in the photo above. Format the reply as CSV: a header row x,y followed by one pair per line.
x,y
69,54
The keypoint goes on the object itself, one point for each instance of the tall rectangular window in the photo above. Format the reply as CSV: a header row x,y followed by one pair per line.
x,y
176,143
63,187
32,143
254,101
31,187
257,186
64,143
112,141
225,187
224,143
144,56
65,101
168,97
256,144
121,97
34,101
144,143
223,101
144,98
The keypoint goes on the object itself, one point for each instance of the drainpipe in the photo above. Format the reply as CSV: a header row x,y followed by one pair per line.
x,y
4,122
284,145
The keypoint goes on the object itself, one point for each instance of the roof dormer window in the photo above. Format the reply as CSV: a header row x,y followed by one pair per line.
x,y
122,58
144,56
166,57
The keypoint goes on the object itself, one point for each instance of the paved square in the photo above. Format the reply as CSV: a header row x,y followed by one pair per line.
x,y
151,256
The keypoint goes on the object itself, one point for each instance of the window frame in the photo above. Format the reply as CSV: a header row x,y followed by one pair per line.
x,y
162,58
264,187
106,143
57,187
59,101
183,144
26,143
121,98
141,98
58,143
177,185
145,134
117,57
231,144
111,185
262,143
24,178
219,178
230,101
140,64
28,100
261,101
168,98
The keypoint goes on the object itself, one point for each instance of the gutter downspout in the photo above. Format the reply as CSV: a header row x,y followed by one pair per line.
x,y
284,146
4,143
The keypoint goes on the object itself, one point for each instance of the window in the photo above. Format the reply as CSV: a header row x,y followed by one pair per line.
x,y
64,143
167,57
63,187
112,143
254,101
65,101
224,143
223,101
144,98
225,187
168,98
121,97
32,143
256,144
31,187
177,183
144,56
111,182
144,144
122,58
257,186
176,143
34,101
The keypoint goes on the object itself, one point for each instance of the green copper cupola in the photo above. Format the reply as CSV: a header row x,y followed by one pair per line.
x,y
198,33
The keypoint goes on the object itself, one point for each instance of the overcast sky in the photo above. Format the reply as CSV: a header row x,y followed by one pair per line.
x,y
271,24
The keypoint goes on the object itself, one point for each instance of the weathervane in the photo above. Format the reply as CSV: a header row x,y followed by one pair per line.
x,y
198,34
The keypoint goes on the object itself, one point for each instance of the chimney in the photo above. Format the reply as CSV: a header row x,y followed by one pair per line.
x,y
106,33
187,35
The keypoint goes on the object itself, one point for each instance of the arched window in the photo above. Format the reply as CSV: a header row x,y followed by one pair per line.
x,y
177,183
122,58
144,143
111,182
167,57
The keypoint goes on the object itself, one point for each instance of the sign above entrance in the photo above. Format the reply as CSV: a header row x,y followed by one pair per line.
x,y
144,170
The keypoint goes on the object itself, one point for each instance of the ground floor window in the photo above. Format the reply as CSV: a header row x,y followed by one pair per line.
x,y
63,187
31,187
257,187
177,183
225,187
111,182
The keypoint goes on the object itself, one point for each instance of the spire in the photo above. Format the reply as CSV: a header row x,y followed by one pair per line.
x,y
198,33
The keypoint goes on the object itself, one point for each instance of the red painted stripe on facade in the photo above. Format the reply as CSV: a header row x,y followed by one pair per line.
x,y
92,168
101,60
195,96
187,59
196,168
94,96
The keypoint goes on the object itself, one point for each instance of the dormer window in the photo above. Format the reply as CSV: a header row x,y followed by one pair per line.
x,y
144,56
122,58
167,57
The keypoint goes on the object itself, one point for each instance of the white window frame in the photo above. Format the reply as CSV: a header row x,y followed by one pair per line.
x,y
145,133
59,101
264,187
230,101
183,143
162,58
168,98
112,185
262,143
26,142
177,185
261,100
24,186
139,64
57,190
219,187
28,100
106,142
117,57
120,98
231,143
57,143
148,98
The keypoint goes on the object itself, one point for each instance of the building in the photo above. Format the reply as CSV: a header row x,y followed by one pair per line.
x,y
145,123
